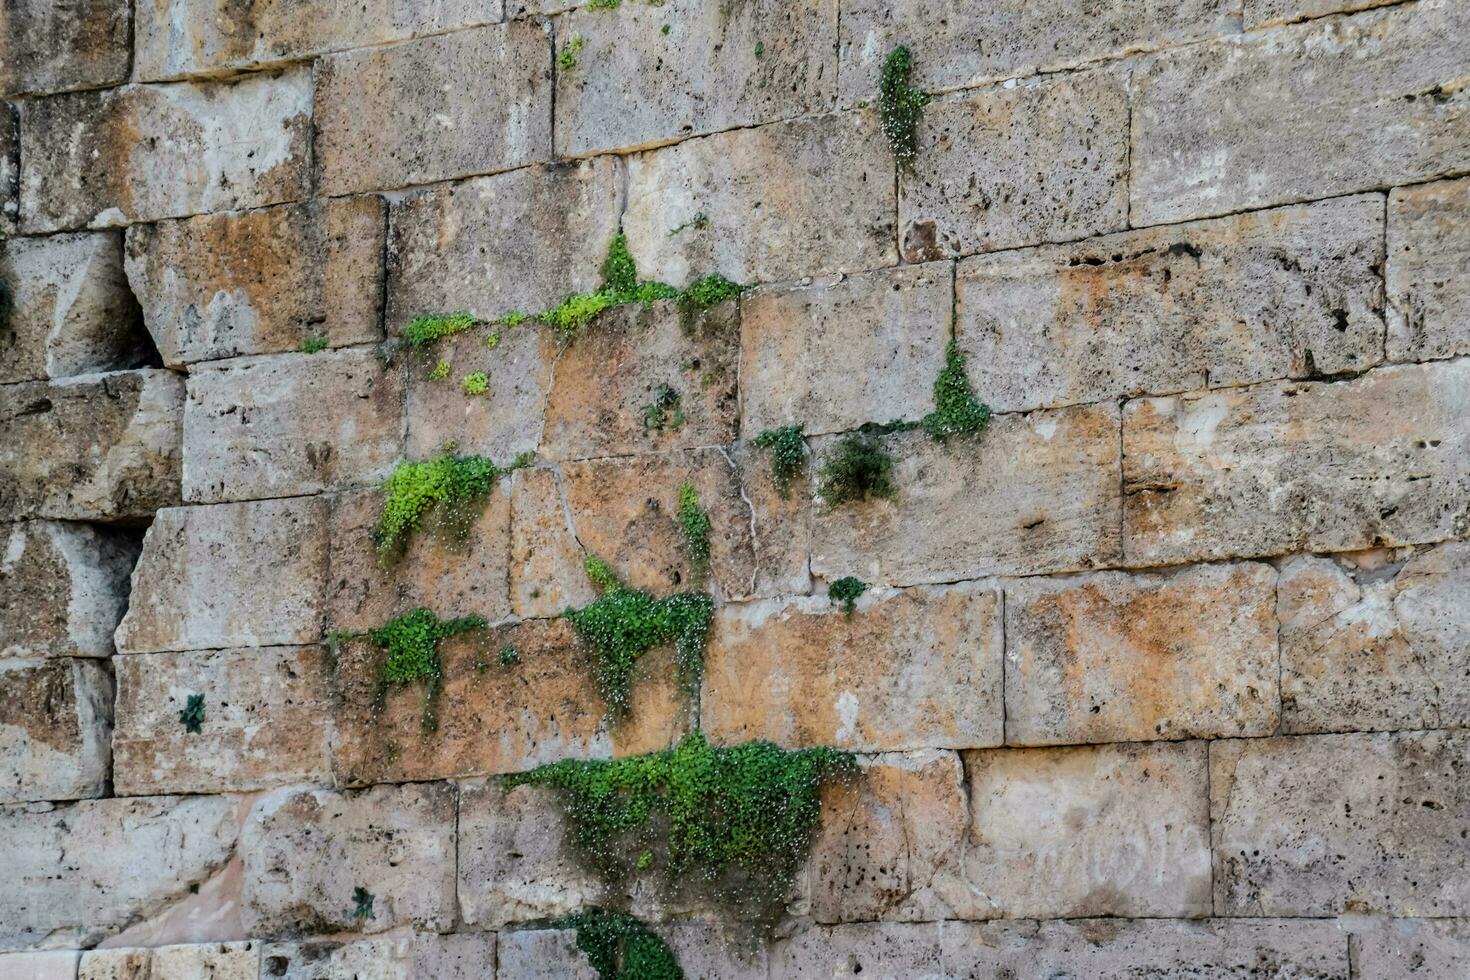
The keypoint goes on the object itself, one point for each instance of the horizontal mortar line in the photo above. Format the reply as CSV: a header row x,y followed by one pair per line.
x,y
24,232
1309,18
229,361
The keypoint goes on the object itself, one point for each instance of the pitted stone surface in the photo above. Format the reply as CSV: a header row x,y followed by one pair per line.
x,y
51,47
56,722
546,562
1412,949
1428,292
702,949
63,588
1268,13
194,961
417,956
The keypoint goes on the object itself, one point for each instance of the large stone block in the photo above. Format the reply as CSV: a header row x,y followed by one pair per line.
x,y
521,240
1254,297
189,37
916,668
783,529
470,102
290,424
791,199
194,961
1428,251
228,575
1376,641
1099,830
718,67
1383,459
1207,133
215,146
261,282
70,308
50,47
307,851
418,956
1412,949
833,355
56,719
1329,824
101,447
1042,161
1034,493
267,721
79,873
1113,657
63,588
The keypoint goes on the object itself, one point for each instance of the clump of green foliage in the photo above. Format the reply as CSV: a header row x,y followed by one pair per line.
x,y
449,483
362,903
846,590
619,947
440,372
567,59
509,657
858,468
735,822
411,642
899,106
700,220
192,717
710,290
624,623
956,409
695,526
423,331
475,383
314,344
788,454
665,411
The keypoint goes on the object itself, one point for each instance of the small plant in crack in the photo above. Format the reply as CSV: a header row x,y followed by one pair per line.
x,y
314,344
666,411
362,903
957,412
192,717
846,591
475,383
619,947
567,58
857,468
695,527
449,485
788,454
899,107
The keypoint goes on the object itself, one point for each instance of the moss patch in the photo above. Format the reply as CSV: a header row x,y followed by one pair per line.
x,y
957,411
314,345
857,468
899,107
846,591
695,527
788,454
411,642
449,484
619,947
567,58
475,383
424,331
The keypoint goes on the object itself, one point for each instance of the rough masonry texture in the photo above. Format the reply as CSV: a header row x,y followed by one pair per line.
x,y
1095,481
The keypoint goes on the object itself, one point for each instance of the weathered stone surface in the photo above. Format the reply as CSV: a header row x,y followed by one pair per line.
x,y
1268,13
261,282
783,529
1113,657
267,720
718,67
1292,466
63,588
543,954
1412,949
9,167
834,355
97,447
546,562
290,424
1428,251
1219,303
607,394
1034,493
305,852
783,201
55,728
1098,830
195,961
1042,161
494,718
1207,133
962,46
701,949
1327,824
470,102
799,672
215,146
228,575
51,965
79,873
70,308
188,37
49,47
520,240
420,956
1375,641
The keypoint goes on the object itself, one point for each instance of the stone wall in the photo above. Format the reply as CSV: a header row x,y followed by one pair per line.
x,y
1165,673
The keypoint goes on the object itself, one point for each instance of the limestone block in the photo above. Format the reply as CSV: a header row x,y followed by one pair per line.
x,y
70,308
1328,824
419,956
782,201
783,533
608,393
469,102
307,851
58,964
63,588
213,146
833,355
1042,161
96,447
913,668
718,67
267,720
1428,251
56,716
50,47
194,961
1383,459
227,575
546,562
261,282
81,872
1207,133
1255,297
1370,642
290,424
1033,493
1412,949
1114,657
1097,830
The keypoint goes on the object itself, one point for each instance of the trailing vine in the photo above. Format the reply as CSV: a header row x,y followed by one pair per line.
x,y
411,642
899,107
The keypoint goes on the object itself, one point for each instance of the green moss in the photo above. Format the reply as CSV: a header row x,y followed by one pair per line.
x,y
735,823
423,331
624,624
957,411
619,273
192,717
314,345
846,590
711,290
788,454
899,107
411,642
619,947
440,372
475,384
695,526
362,903
760,49
665,411
858,468
450,484
567,58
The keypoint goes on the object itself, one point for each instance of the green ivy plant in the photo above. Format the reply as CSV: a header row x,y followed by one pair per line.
x,y
453,485
619,947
